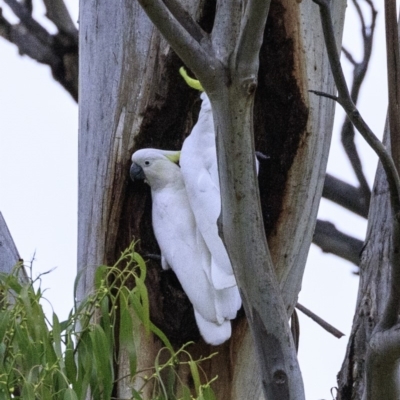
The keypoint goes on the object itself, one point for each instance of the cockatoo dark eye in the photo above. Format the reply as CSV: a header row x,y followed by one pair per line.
x,y
147,162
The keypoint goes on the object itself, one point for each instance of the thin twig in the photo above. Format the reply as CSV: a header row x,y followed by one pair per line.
x,y
349,56
323,324
359,72
346,102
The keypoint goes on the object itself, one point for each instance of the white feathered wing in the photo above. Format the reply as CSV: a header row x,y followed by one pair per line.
x,y
200,173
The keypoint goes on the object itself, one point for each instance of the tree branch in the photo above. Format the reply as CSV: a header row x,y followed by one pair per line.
x,y
27,42
346,102
345,195
226,29
186,20
31,24
196,55
59,51
331,240
359,72
322,323
250,40
58,13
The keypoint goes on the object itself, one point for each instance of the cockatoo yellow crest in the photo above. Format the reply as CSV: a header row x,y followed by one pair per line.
x,y
193,83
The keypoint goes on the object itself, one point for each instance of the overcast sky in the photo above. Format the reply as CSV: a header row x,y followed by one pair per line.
x,y
38,180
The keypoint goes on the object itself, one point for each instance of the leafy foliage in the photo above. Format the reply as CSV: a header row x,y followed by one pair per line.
x,y
68,360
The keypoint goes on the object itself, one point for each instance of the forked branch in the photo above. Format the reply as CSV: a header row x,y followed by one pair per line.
x,y
59,51
185,36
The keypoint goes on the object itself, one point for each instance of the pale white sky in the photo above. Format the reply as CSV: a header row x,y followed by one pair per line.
x,y
38,180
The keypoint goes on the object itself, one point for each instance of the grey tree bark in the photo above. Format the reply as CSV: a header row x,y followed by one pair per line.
x,y
131,97
9,256
373,293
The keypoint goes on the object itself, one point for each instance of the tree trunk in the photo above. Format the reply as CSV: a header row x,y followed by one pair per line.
x,y
9,256
375,280
131,96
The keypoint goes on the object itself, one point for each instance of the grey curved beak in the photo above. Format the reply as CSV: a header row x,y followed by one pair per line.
x,y
136,172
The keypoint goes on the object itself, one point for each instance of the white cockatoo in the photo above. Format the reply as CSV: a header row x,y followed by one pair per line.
x,y
182,246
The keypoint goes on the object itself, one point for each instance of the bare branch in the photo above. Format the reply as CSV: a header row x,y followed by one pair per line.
x,y
349,56
31,24
251,37
345,195
393,71
359,72
58,13
28,5
226,28
322,323
5,27
186,20
27,42
346,102
197,56
59,51
331,240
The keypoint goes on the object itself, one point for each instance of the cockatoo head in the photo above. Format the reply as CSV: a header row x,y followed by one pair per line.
x,y
156,167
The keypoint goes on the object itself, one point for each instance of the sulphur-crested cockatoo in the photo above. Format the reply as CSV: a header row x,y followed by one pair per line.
x,y
182,246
